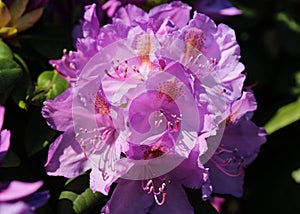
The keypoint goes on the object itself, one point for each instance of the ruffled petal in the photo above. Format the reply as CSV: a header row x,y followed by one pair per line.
x,y
100,181
128,197
176,11
129,14
58,112
229,68
65,157
91,24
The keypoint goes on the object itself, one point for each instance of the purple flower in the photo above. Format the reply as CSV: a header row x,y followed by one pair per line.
x,y
216,9
148,97
18,197
239,147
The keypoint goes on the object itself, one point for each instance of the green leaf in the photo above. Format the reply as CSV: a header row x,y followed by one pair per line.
x,y
10,72
86,200
296,175
83,202
284,117
5,52
288,21
68,195
49,85
296,89
36,142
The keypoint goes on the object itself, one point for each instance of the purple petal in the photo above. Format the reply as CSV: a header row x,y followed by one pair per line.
x,y
239,147
100,181
176,11
65,156
19,207
16,190
129,14
65,66
4,143
111,7
223,184
38,199
217,9
189,174
246,137
111,33
91,24
58,112
2,111
229,67
128,197
176,202
246,103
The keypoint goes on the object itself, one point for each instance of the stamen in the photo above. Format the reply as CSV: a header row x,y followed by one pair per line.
x,y
164,196
161,191
170,125
231,166
90,142
113,77
171,89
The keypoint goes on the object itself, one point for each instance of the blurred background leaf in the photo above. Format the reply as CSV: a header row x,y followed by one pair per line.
x,y
49,85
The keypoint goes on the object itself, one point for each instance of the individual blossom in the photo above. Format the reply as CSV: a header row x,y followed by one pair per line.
x,y
164,194
216,9
239,147
17,16
18,197
148,102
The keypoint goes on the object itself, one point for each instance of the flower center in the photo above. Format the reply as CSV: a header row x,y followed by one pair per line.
x,y
195,38
101,106
91,141
170,89
151,152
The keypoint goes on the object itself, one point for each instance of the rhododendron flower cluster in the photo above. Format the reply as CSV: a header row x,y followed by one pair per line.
x,y
155,102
